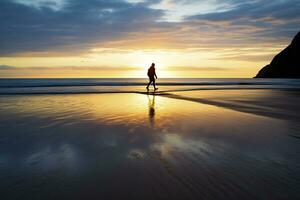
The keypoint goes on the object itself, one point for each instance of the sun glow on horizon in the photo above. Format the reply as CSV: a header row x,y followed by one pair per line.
x,y
121,38
121,63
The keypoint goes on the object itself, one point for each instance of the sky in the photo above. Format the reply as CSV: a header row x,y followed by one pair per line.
x,y
121,38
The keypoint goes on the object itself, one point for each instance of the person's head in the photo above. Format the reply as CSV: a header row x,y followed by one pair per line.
x,y
153,65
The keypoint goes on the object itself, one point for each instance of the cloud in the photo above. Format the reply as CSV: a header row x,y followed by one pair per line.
x,y
6,67
78,26
176,10
258,18
73,68
248,58
192,68
73,27
52,4
108,68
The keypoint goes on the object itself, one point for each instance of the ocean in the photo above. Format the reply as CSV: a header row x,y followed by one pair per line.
x,y
100,85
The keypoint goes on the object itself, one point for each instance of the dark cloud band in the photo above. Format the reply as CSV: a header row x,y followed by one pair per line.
x,y
82,25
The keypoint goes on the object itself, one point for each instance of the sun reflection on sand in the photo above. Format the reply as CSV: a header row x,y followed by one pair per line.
x,y
151,104
136,110
116,141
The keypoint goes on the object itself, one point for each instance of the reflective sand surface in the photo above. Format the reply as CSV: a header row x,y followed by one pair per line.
x,y
134,146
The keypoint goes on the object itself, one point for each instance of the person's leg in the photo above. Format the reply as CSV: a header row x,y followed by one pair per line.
x,y
154,85
148,84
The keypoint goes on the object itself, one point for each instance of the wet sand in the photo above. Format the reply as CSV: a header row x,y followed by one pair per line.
x,y
224,144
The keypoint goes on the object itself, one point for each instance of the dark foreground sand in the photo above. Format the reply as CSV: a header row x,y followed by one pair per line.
x,y
214,144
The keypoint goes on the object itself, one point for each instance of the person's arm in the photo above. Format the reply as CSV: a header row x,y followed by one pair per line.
x,y
155,74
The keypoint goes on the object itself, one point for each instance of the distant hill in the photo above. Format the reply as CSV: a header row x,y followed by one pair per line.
x,y
286,64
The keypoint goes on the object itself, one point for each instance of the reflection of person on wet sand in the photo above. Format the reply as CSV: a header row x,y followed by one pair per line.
x,y
152,75
151,105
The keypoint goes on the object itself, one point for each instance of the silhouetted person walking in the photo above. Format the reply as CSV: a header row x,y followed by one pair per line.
x,y
152,75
